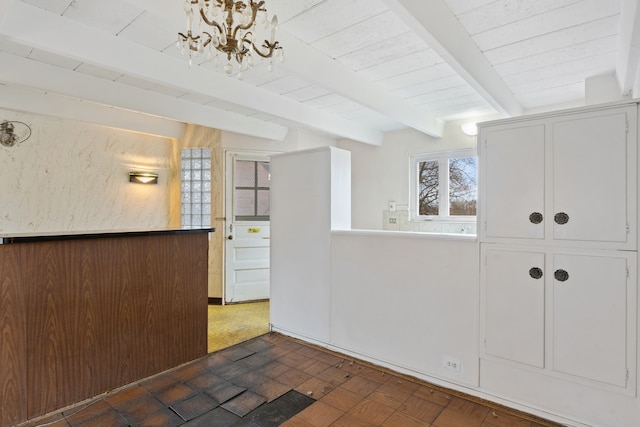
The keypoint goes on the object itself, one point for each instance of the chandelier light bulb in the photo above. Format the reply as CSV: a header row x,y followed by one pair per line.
x,y
274,24
228,68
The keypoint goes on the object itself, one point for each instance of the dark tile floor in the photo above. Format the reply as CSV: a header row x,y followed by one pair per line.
x,y
274,380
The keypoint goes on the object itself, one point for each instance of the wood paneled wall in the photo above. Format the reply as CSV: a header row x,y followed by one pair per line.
x,y
13,340
93,315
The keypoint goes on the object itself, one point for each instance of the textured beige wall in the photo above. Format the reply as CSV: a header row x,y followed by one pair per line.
x,y
73,176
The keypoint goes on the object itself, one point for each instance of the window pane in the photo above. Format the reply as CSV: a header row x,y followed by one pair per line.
x,y
263,203
428,187
245,203
462,185
263,174
245,173
252,183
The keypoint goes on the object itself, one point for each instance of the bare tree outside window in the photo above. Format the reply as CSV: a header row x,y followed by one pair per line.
x,y
445,180
462,185
428,187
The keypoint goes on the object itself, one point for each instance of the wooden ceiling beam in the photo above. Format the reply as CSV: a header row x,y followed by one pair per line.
x,y
439,28
37,28
628,46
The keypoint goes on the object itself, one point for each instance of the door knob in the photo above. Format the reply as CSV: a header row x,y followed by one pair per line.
x,y
535,273
561,275
536,218
561,218
230,237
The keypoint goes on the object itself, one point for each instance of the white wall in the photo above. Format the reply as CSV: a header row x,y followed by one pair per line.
x,y
74,176
310,196
404,299
381,174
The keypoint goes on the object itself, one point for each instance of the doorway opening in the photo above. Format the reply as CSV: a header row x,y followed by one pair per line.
x,y
231,324
243,312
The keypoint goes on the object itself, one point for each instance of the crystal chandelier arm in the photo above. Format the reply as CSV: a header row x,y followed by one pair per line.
x,y
255,7
270,46
209,22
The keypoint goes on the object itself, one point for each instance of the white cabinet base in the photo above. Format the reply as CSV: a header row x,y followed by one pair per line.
x,y
588,406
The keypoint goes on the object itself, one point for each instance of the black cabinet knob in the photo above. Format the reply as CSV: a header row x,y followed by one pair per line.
x,y
561,218
535,273
561,275
536,218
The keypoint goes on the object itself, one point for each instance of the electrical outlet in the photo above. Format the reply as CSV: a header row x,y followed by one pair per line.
x,y
451,363
392,220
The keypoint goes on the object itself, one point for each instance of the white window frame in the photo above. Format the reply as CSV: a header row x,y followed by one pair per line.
x,y
442,157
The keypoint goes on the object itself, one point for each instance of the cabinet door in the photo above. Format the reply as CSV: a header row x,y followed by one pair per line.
x,y
593,316
590,177
514,305
513,182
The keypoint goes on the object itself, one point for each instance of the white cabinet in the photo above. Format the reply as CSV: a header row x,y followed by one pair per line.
x,y
513,293
567,179
565,312
592,313
512,181
558,232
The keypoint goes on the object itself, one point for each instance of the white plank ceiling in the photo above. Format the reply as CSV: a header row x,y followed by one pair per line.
x,y
353,69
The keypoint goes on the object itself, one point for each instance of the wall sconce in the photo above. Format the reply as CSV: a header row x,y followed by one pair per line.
x,y
470,129
143,177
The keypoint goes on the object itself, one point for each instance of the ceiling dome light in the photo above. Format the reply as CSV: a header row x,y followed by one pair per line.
x,y
469,129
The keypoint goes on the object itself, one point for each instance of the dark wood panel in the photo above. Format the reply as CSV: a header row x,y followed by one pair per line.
x,y
64,324
13,332
108,312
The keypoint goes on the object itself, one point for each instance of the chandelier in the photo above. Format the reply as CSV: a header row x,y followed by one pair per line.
x,y
236,30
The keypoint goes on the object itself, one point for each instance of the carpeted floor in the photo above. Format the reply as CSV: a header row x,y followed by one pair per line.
x,y
235,323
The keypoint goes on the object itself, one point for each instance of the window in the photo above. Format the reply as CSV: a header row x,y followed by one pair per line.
x,y
251,192
196,187
443,185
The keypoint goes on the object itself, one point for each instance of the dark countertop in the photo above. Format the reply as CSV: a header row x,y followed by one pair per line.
x,y
9,238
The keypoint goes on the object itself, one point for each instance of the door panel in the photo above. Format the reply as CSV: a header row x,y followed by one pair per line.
x,y
514,181
514,308
590,178
248,231
590,317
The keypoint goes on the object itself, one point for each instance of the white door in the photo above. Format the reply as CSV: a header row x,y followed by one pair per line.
x,y
514,291
513,172
592,320
590,205
247,227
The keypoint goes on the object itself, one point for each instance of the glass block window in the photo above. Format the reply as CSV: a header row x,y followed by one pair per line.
x,y
251,201
196,187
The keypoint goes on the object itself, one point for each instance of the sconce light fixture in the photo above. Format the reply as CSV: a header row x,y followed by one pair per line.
x,y
13,132
143,177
